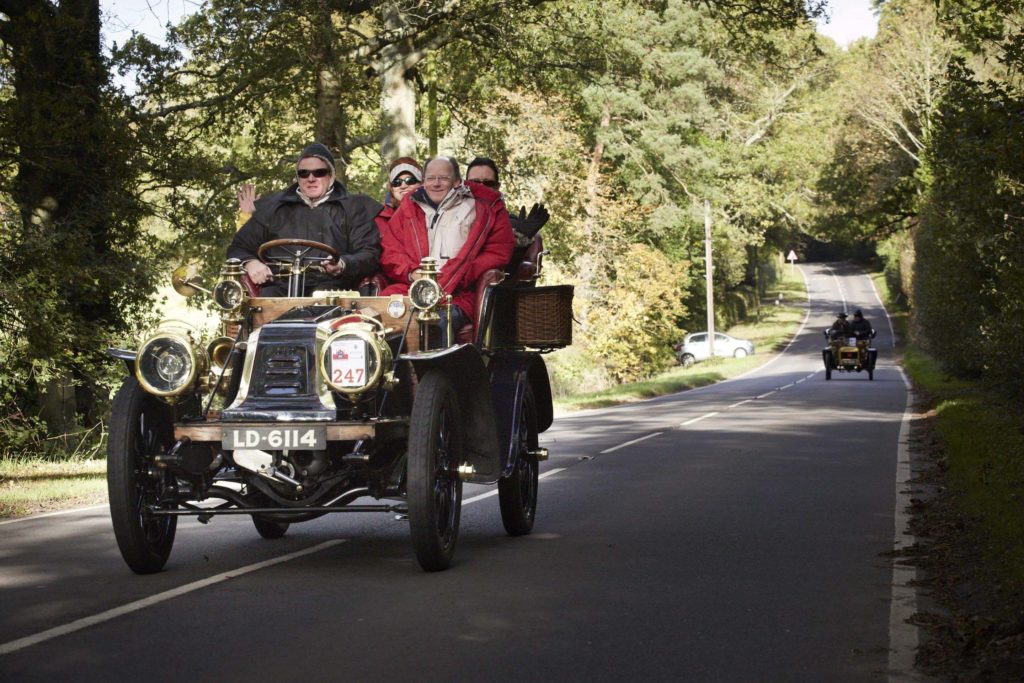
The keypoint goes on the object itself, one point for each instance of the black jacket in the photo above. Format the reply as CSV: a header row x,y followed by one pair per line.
x,y
344,222
861,329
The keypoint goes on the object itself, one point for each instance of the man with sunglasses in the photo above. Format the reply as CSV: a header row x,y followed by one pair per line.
x,y
464,225
315,207
484,171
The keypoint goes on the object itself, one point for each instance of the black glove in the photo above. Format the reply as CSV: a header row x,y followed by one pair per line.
x,y
528,225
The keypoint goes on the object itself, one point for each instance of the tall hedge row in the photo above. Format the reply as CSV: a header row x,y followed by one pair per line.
x,y
969,271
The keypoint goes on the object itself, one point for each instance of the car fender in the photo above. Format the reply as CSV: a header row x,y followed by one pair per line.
x,y
126,355
464,365
511,374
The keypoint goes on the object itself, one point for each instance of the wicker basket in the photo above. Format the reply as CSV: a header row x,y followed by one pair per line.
x,y
535,317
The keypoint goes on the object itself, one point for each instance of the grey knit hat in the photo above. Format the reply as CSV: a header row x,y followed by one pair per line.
x,y
321,152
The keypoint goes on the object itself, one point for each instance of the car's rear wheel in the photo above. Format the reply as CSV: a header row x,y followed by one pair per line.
x,y
433,485
686,359
269,529
740,353
517,493
141,426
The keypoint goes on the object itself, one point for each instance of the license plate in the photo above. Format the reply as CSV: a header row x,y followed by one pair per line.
x,y
275,438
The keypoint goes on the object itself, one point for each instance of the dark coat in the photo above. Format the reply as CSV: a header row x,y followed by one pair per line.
x,y
861,329
344,221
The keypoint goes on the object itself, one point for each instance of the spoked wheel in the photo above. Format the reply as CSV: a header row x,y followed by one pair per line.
x,y
141,426
269,529
686,360
433,485
517,494
827,357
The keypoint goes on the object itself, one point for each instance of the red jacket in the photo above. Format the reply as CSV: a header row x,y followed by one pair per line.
x,y
489,245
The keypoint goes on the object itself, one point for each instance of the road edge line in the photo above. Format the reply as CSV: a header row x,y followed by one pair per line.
x,y
136,605
904,637
43,515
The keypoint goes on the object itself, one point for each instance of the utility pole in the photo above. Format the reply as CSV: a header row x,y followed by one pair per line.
x,y
709,278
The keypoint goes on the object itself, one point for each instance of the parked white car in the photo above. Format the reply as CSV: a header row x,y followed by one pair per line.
x,y
694,347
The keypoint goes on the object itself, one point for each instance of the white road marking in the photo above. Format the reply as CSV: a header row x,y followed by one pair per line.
x,y
494,492
53,514
787,386
801,381
86,622
630,443
697,419
765,395
739,403
904,637
839,286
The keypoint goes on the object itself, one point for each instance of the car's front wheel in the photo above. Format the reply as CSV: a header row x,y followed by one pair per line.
x,y
141,426
739,353
433,484
517,493
686,359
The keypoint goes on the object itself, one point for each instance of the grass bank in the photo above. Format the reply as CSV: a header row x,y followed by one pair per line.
x,y
972,526
981,438
782,312
31,485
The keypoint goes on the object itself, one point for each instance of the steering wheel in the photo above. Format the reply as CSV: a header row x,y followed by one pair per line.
x,y
296,264
309,244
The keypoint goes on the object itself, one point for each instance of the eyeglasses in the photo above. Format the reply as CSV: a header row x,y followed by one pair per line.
x,y
407,181
316,172
438,179
489,183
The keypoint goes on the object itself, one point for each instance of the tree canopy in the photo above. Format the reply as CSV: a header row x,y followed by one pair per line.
x,y
623,117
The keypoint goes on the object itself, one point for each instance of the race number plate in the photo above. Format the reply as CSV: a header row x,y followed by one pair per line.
x,y
275,438
348,363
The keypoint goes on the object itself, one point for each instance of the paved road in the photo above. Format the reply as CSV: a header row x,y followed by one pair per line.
x,y
742,537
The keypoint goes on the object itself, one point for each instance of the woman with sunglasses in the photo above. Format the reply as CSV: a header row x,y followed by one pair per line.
x,y
405,176
315,207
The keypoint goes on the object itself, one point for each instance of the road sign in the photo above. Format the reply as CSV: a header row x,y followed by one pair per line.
x,y
791,257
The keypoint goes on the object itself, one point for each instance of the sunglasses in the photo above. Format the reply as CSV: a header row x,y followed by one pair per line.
x,y
493,184
316,173
407,181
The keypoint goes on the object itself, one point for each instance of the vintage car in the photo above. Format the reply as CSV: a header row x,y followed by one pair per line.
x,y
844,353
336,402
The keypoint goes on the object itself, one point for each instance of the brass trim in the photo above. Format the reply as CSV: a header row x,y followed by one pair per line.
x,y
381,353
195,359
250,359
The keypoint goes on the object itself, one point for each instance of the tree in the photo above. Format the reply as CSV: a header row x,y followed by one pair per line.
x,y
70,259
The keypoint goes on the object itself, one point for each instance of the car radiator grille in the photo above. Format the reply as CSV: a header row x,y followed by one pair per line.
x,y
284,371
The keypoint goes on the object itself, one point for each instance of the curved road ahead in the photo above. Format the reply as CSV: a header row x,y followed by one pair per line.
x,y
738,532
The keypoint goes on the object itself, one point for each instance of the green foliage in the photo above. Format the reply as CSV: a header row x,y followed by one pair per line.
x,y
634,331
970,245
73,258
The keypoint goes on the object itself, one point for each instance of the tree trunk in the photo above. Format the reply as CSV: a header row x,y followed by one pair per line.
x,y
331,126
589,262
66,172
398,94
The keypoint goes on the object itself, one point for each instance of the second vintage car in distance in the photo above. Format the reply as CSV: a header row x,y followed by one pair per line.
x,y
695,347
